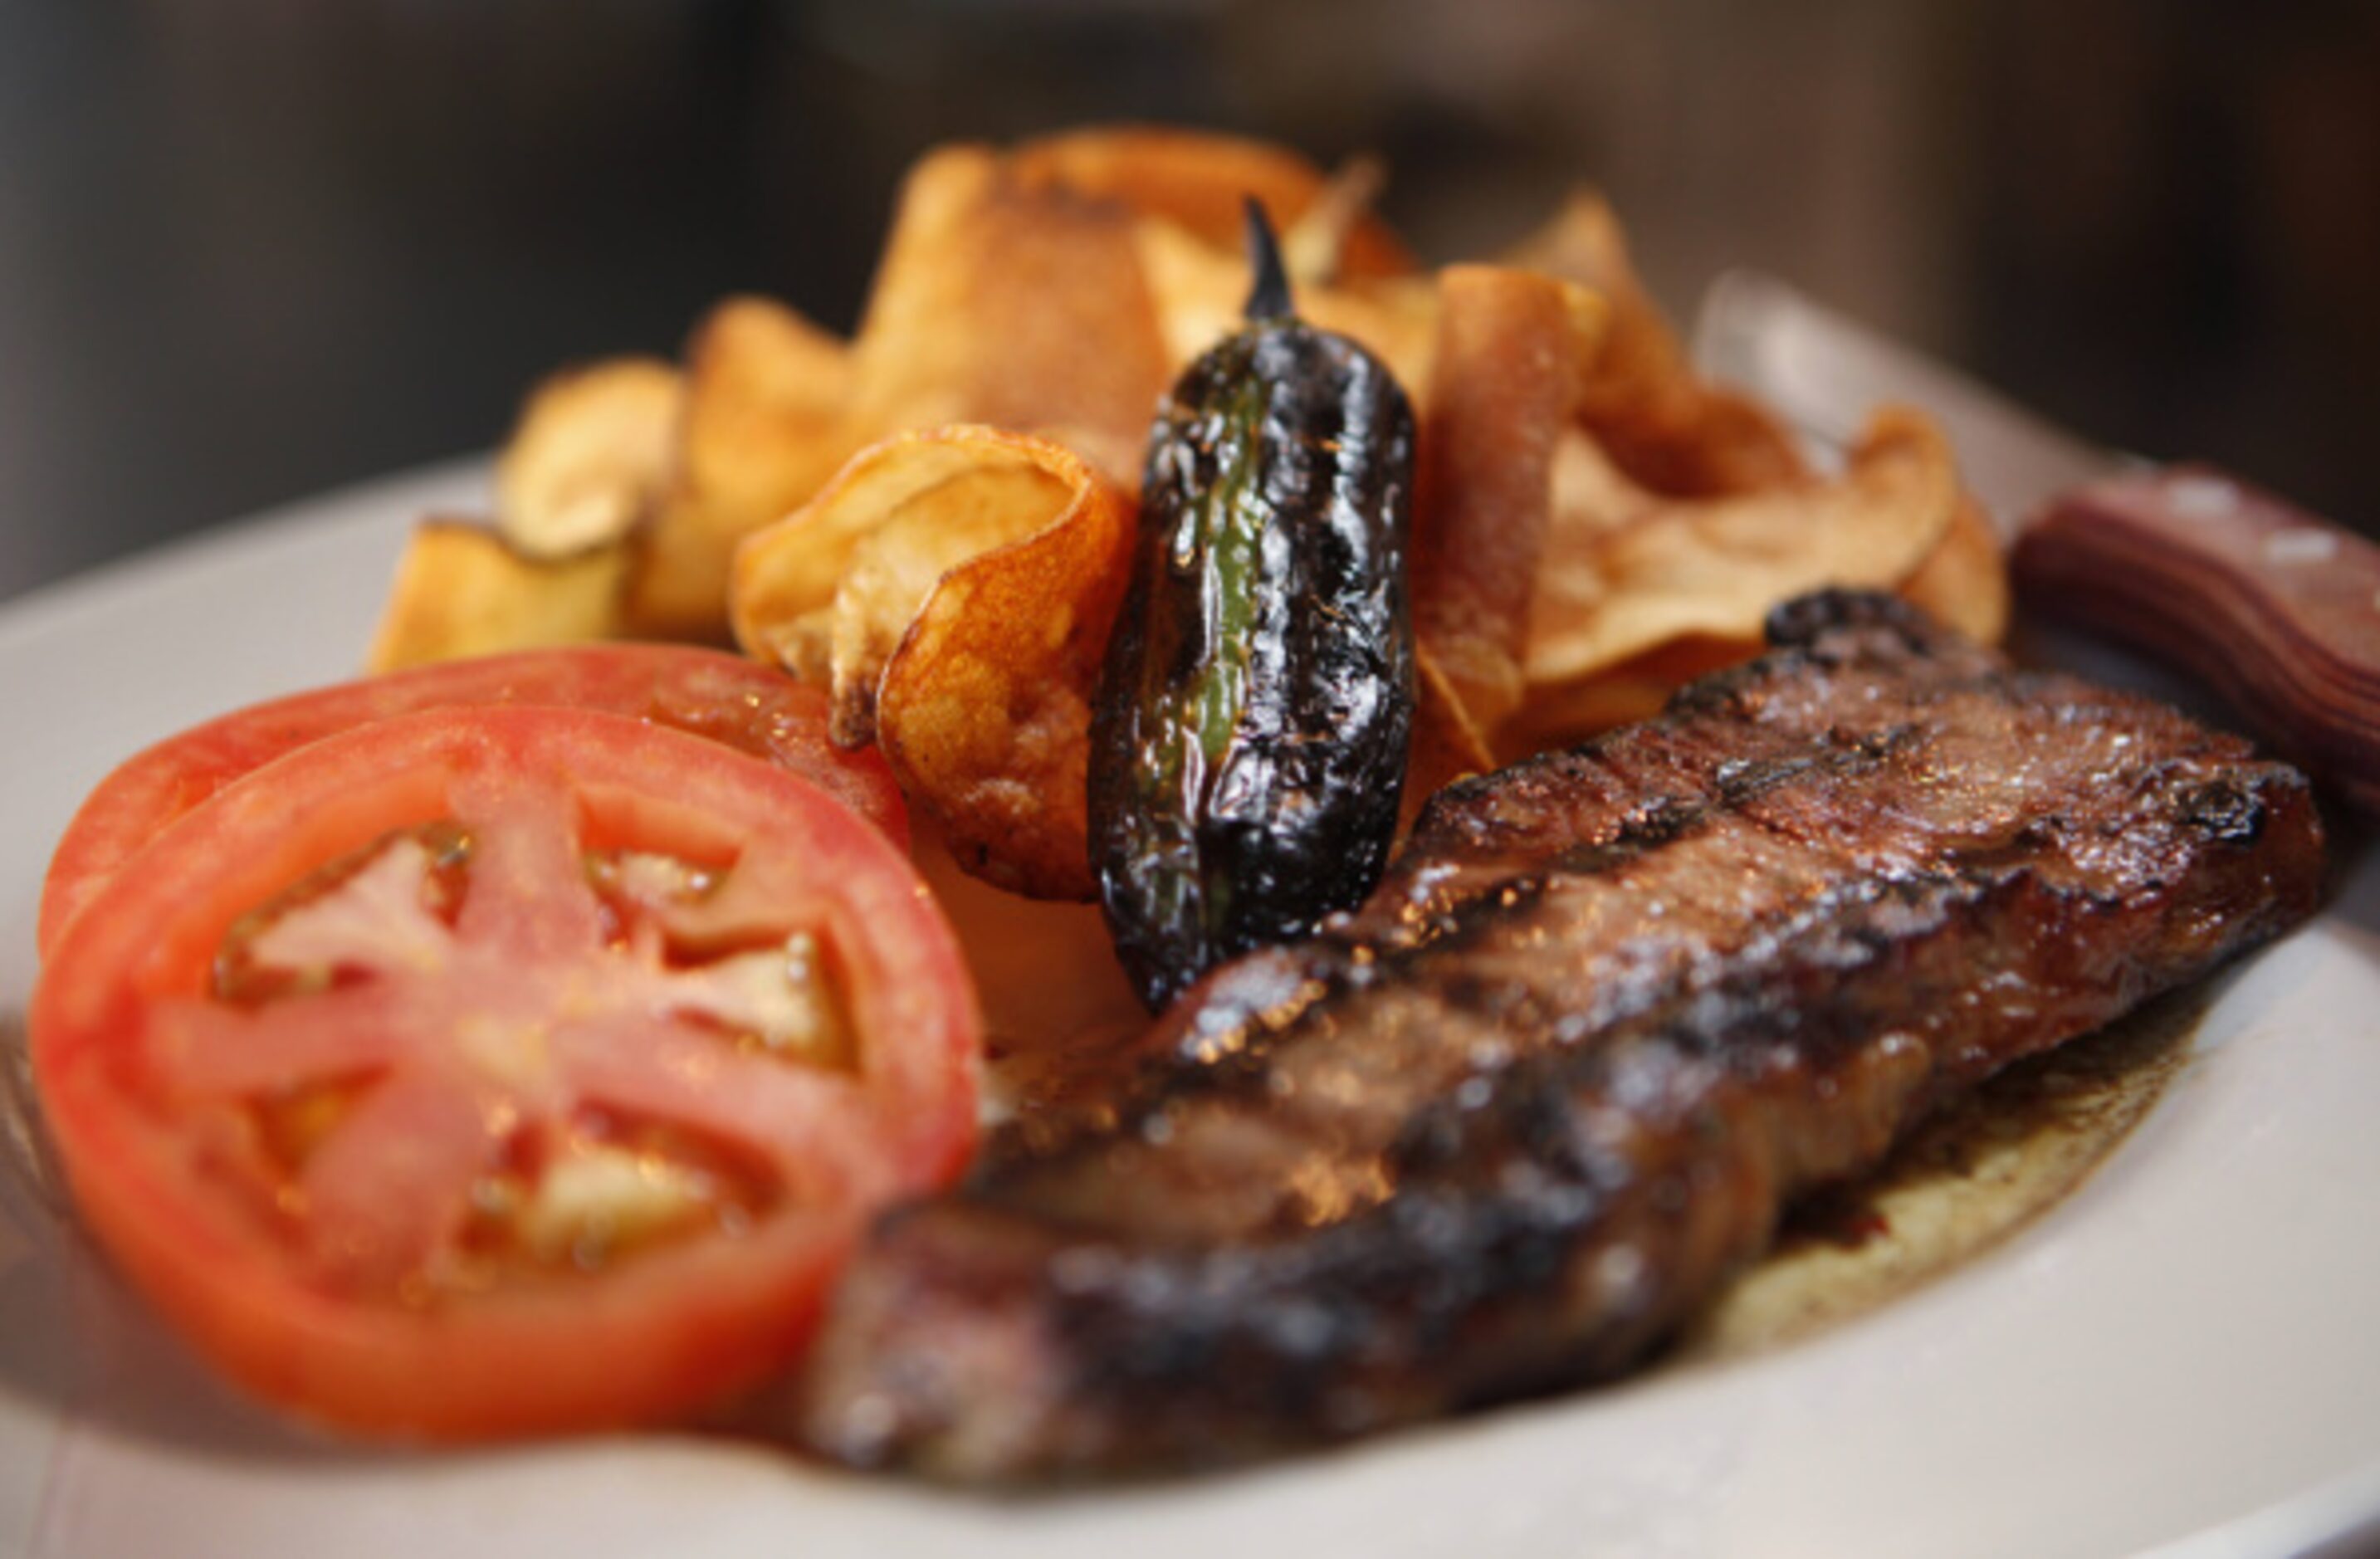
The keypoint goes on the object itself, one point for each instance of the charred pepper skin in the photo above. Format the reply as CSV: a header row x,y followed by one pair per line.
x,y
1249,741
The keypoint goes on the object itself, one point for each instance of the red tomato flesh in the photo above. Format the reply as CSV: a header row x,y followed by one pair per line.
x,y
750,707
500,1071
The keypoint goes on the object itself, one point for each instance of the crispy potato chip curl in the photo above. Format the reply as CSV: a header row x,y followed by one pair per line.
x,y
1199,182
590,457
1199,290
762,429
1513,350
1964,581
955,587
1006,301
1559,713
1670,432
1621,579
985,710
462,590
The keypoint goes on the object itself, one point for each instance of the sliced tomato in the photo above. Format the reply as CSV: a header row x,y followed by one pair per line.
x,y
748,707
486,1072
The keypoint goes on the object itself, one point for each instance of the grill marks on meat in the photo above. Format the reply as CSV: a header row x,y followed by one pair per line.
x,y
1505,1125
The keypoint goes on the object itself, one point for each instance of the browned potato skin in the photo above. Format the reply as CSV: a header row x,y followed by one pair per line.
x,y
590,457
461,590
1512,353
1614,584
1659,421
762,428
1056,285
1199,180
985,710
1964,580
955,587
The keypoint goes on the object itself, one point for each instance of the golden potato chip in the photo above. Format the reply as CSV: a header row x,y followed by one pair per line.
x,y
1657,419
1723,443
1201,291
1513,349
1447,742
1614,585
1963,581
1000,300
1197,180
984,710
589,456
763,427
460,590
1117,456
828,591
1560,714
1313,244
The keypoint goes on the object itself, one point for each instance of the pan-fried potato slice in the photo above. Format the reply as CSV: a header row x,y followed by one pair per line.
x,y
1447,742
461,590
1199,292
1721,443
1655,417
984,711
1963,581
1005,301
955,587
1644,370
1000,299
1115,455
1557,714
589,456
1512,350
762,428
1613,586
1314,246
1198,181
828,591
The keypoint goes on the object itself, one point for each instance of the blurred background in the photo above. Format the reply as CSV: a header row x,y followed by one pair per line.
x,y
250,248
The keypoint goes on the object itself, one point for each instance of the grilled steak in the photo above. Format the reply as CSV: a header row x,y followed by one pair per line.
x,y
1505,1125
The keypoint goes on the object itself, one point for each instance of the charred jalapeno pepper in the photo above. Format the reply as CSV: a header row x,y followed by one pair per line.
x,y
1248,746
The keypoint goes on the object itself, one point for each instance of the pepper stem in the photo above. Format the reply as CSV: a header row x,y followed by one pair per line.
x,y
1268,297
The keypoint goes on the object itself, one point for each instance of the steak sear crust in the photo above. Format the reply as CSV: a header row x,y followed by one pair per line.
x,y
1504,1127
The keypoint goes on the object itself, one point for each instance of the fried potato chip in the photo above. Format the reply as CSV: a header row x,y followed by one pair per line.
x,y
1000,299
955,588
1559,714
828,591
1447,742
1200,292
1618,582
1314,246
1657,419
984,711
1513,348
1963,581
1198,181
1643,364
589,456
1724,442
1006,301
762,428
462,590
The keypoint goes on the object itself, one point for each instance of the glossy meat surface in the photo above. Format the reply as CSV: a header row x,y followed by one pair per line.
x,y
1503,1127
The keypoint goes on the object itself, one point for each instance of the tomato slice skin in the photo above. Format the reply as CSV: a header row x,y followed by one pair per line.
x,y
153,1157
750,707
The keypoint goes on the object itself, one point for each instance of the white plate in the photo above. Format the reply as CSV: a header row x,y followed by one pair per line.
x,y
2186,1353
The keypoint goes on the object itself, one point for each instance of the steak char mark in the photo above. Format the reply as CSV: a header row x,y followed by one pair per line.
x,y
1507,1125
